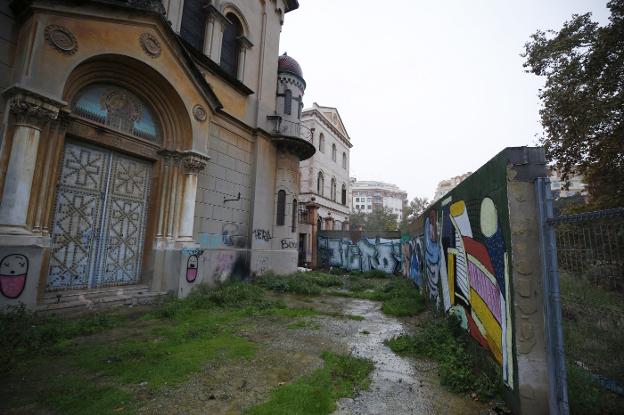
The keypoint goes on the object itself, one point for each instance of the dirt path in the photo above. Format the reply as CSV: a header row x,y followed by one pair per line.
x,y
399,385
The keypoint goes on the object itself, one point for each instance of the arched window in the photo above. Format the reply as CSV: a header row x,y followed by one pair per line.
x,y
288,102
334,152
333,189
344,160
322,143
319,223
281,207
299,107
117,108
230,48
293,226
193,23
320,183
344,194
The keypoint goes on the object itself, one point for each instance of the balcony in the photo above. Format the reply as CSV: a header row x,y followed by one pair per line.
x,y
292,136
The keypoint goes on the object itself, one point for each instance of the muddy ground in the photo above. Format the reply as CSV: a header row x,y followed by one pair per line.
x,y
399,385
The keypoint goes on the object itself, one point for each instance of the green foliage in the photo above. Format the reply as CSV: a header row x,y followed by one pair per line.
x,y
413,210
400,297
582,100
24,332
443,341
587,397
376,221
304,324
316,394
310,283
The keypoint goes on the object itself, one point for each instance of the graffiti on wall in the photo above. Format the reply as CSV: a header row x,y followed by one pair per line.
x,y
364,255
13,272
232,265
192,262
462,263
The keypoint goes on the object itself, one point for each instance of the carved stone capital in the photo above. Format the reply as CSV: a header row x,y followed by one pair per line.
x,y
31,109
194,161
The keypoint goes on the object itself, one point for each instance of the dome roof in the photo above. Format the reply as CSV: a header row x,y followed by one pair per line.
x,y
287,64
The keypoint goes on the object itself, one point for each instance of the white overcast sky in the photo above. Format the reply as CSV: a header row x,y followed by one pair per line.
x,y
427,89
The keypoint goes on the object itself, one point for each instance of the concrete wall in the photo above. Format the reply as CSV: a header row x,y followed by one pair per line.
x,y
358,251
475,254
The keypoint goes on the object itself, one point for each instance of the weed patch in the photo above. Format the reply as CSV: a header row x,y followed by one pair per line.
x,y
443,341
309,283
316,394
304,324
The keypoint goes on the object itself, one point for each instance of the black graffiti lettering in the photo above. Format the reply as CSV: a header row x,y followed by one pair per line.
x,y
288,243
262,235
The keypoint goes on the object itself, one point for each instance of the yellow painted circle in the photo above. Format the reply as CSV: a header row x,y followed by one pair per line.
x,y
489,217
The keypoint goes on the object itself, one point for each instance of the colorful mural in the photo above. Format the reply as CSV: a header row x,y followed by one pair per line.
x,y
461,262
13,272
364,255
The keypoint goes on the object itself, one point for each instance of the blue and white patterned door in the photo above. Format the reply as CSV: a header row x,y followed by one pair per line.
x,y
99,219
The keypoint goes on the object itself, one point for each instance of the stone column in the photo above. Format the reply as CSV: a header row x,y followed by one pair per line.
x,y
329,222
193,162
313,209
345,225
31,113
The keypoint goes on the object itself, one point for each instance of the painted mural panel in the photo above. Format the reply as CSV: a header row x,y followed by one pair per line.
x,y
364,255
461,261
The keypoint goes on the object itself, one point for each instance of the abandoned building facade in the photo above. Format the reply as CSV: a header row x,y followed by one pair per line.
x,y
145,145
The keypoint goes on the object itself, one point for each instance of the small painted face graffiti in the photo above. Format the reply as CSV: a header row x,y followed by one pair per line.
x,y
191,268
13,271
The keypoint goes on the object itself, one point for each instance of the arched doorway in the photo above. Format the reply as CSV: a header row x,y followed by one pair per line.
x,y
119,182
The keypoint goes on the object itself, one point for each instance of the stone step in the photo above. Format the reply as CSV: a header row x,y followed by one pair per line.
x,y
87,302
68,296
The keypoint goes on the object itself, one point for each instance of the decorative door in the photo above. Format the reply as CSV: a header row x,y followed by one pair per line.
x,y
99,219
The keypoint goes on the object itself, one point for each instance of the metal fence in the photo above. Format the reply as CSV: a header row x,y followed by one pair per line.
x,y
591,246
584,261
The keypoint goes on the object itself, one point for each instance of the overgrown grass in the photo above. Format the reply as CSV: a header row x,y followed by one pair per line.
x,y
445,342
304,324
593,321
24,333
94,375
316,394
399,296
309,283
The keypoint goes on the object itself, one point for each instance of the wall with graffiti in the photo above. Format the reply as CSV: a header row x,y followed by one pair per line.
x,y
459,253
355,251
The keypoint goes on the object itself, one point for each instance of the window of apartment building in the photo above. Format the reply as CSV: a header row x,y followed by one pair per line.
x,y
344,161
357,199
333,189
320,183
288,102
334,152
369,207
344,194
322,143
281,208
193,25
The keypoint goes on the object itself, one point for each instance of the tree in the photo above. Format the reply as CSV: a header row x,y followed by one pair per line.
x,y
583,101
378,220
413,210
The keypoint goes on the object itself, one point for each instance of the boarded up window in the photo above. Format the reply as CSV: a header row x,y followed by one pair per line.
x,y
294,216
193,25
281,208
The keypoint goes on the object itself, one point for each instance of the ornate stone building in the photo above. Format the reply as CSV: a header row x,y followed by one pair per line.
x,y
325,191
143,148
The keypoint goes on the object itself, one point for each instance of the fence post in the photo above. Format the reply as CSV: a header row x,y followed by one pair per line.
x,y
557,377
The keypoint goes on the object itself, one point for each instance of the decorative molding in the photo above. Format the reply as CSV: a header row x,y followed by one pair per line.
x,y
200,113
62,39
194,161
150,45
30,108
